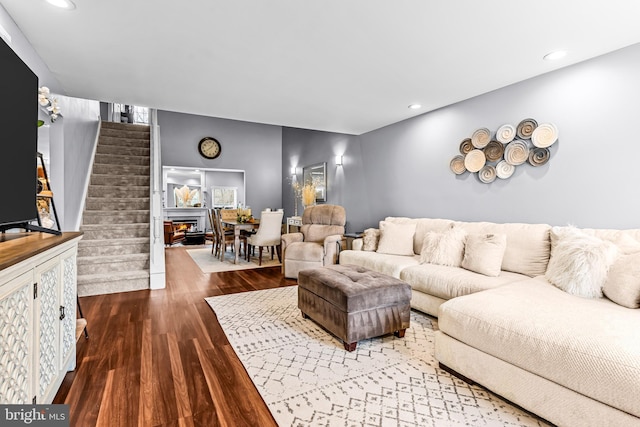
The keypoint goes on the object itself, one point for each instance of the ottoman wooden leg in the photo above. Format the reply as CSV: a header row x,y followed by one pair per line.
x,y
400,333
304,316
350,347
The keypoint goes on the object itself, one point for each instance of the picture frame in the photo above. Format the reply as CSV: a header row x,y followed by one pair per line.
x,y
317,174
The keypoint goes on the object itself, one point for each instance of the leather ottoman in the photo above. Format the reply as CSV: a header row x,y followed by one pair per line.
x,y
354,303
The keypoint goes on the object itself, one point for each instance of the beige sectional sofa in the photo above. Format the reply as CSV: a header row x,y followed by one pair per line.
x,y
572,360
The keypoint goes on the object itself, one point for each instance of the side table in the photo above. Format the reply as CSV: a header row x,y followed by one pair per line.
x,y
350,236
296,221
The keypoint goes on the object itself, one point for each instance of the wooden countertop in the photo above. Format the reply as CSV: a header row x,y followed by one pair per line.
x,y
16,247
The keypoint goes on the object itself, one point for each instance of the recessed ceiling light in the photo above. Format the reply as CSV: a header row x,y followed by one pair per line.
x,y
63,4
552,56
415,106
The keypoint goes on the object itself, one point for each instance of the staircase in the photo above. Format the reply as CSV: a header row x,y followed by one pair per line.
x,y
113,255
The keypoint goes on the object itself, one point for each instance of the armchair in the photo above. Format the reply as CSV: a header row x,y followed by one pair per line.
x,y
171,235
316,245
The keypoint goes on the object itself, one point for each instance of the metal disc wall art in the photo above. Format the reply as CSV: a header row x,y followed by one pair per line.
x,y
539,156
457,165
516,152
525,128
544,135
494,151
511,146
504,170
474,160
505,133
466,146
481,137
487,174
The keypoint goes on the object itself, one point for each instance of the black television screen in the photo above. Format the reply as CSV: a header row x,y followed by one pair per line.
x,y
18,139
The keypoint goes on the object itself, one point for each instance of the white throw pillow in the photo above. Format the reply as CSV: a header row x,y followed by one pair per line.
x,y
396,239
623,282
483,253
445,248
370,239
579,262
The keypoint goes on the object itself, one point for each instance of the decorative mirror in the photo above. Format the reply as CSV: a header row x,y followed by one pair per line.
x,y
316,175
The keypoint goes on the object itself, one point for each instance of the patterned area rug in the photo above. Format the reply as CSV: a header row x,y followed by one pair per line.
x,y
307,378
210,264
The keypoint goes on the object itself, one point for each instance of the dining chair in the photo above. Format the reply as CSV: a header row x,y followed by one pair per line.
x,y
268,235
225,237
214,230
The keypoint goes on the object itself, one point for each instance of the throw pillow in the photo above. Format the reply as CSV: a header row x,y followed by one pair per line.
x,y
444,248
370,239
483,253
396,239
623,282
579,262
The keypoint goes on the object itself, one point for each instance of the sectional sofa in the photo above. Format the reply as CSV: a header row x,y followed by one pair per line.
x,y
546,317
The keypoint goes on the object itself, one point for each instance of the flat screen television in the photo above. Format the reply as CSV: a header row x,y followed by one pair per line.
x,y
18,142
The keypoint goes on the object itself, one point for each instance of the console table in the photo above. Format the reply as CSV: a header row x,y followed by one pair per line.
x,y
38,289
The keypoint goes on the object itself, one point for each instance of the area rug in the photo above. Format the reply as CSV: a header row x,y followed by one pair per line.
x,y
307,378
210,264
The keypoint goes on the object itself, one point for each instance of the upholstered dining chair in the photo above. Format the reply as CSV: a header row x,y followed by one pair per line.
x,y
268,235
316,245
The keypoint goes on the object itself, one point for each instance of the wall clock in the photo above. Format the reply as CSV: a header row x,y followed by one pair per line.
x,y
209,148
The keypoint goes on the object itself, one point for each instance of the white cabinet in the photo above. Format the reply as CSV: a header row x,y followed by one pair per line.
x,y
37,324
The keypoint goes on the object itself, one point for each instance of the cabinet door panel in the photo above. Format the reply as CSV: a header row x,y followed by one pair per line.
x,y
48,306
68,300
16,340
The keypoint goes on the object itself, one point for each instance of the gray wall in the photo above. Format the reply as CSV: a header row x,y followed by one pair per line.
x,y
252,147
67,144
590,180
27,53
80,126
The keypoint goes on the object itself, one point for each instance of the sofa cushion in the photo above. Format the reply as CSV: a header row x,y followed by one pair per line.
x,y
370,239
446,248
483,253
305,251
383,263
579,262
423,226
449,282
590,346
396,239
623,281
528,245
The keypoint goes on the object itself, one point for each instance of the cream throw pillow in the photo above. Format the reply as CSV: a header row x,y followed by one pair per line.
x,y
483,253
396,239
623,282
579,262
445,248
370,239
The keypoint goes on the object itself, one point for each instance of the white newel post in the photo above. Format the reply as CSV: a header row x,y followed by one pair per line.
x,y
156,262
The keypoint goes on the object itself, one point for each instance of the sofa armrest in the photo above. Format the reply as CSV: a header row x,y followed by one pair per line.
x,y
357,244
332,247
289,238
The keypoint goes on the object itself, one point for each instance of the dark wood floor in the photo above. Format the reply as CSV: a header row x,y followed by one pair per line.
x,y
160,358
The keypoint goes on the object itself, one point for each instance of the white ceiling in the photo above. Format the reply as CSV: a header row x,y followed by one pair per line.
x,y
338,65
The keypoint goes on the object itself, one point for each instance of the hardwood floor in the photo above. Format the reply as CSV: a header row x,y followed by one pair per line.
x,y
160,358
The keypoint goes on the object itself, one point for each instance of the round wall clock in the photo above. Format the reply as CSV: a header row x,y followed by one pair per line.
x,y
209,148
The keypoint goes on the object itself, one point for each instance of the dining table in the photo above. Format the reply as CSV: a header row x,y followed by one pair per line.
x,y
237,228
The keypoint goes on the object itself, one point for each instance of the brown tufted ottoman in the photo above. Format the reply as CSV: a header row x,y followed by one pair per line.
x,y
354,303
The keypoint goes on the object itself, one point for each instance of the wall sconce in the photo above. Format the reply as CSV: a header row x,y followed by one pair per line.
x,y
338,160
292,171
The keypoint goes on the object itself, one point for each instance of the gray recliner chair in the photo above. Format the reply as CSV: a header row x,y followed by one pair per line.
x,y
318,242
